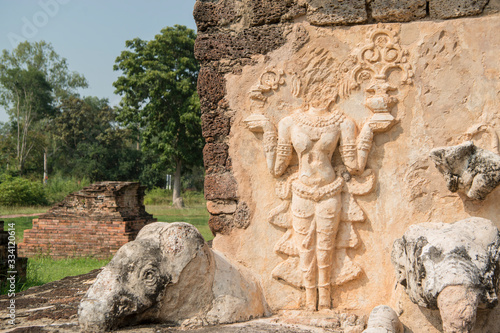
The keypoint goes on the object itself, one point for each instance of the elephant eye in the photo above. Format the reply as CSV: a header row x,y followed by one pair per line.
x,y
150,276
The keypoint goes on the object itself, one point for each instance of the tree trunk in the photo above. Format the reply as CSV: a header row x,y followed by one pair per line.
x,y
45,174
176,195
138,137
18,143
22,142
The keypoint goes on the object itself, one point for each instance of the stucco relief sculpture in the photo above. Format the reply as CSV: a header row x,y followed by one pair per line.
x,y
468,168
452,267
319,158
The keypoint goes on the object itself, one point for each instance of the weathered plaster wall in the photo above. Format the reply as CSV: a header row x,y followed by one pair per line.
x,y
456,85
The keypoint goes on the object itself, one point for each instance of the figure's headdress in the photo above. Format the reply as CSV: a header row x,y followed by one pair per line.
x,y
318,77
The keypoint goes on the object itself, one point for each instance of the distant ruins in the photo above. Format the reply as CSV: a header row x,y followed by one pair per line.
x,y
95,221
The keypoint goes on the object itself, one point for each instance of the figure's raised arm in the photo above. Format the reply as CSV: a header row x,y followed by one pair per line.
x,y
348,145
284,149
277,146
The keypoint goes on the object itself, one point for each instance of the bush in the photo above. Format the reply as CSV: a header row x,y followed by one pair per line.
x,y
158,196
17,191
192,198
58,187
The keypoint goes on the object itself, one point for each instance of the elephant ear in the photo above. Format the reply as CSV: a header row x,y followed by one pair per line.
x,y
179,244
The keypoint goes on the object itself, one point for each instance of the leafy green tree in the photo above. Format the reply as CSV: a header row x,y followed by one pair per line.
x,y
30,95
41,57
151,173
7,146
91,143
33,78
158,89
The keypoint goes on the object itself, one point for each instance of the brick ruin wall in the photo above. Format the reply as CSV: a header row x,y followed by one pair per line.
x,y
95,221
230,32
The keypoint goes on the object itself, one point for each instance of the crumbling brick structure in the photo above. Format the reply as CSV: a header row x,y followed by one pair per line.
x,y
95,221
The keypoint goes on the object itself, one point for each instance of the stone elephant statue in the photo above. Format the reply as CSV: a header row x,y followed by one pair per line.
x,y
169,274
452,267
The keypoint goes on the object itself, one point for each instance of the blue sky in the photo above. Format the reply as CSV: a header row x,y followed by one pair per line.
x,y
90,34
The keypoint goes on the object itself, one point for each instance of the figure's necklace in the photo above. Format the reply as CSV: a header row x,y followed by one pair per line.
x,y
316,126
333,118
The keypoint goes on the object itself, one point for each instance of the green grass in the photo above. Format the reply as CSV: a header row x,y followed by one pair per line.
x,y
159,203
196,215
162,197
20,224
44,269
15,210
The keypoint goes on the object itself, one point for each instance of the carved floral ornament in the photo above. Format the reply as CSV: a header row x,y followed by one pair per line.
x,y
319,208
270,80
376,59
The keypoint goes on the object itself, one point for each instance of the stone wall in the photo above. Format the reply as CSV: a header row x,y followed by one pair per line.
x,y
95,221
252,51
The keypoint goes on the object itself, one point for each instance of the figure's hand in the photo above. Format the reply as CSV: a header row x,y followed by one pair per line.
x,y
258,123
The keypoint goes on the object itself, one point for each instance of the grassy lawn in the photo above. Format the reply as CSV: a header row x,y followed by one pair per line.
x,y
44,269
14,210
20,224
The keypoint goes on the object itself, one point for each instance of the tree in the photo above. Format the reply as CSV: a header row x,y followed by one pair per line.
x,y
158,89
30,94
90,142
33,78
7,146
40,56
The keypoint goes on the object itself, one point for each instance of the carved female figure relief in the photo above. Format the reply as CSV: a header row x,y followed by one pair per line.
x,y
318,193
